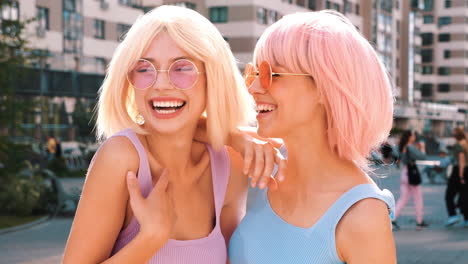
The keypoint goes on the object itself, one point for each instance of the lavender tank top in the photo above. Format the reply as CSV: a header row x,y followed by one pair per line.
x,y
206,250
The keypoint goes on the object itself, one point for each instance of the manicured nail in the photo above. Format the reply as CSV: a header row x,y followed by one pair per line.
x,y
262,185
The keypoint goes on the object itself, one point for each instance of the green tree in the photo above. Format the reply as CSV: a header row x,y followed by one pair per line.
x,y
15,57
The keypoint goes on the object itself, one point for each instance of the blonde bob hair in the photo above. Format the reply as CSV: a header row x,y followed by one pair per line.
x,y
228,102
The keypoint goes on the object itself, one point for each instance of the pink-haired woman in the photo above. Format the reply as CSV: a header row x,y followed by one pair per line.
x,y
320,86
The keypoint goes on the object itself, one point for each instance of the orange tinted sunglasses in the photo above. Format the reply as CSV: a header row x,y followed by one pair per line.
x,y
264,73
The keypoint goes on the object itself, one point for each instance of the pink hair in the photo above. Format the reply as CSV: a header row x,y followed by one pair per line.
x,y
351,80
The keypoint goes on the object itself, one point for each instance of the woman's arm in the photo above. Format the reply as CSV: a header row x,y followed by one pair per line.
x,y
364,234
235,199
461,166
259,154
416,154
102,209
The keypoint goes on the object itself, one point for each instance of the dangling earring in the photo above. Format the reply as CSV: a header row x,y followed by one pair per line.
x,y
140,120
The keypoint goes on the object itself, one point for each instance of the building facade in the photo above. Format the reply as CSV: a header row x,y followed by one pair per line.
x,y
420,42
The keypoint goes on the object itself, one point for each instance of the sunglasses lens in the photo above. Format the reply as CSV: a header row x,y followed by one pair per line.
x,y
265,74
249,74
183,74
142,75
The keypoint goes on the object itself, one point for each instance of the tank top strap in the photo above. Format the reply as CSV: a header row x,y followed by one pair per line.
x,y
144,172
221,170
354,195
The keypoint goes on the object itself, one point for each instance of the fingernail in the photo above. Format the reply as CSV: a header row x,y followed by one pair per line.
x,y
245,170
262,185
253,184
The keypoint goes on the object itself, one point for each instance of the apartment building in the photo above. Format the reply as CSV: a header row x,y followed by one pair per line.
x,y
80,37
243,21
445,51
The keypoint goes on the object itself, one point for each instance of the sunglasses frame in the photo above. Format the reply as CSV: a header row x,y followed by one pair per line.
x,y
266,83
169,77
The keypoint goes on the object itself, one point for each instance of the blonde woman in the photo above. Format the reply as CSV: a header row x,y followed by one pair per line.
x,y
180,200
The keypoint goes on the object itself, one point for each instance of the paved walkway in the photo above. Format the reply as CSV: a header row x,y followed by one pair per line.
x,y
44,243
434,245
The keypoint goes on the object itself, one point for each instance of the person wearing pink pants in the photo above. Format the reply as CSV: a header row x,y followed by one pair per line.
x,y
410,153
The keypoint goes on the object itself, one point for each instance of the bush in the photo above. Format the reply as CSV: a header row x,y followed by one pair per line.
x,y
23,189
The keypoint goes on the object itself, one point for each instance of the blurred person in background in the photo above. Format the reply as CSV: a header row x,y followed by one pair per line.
x,y
457,183
409,153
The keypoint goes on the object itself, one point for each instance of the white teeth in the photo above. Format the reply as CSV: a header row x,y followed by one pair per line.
x,y
166,111
265,107
167,103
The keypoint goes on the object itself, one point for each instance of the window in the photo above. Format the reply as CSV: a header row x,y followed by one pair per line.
x,y
428,5
327,5
447,54
427,39
444,71
72,27
443,88
427,70
99,28
300,2
444,37
445,21
262,15
448,3
466,71
336,7
426,89
357,9
69,5
130,3
9,17
187,5
426,55
219,14
43,18
9,11
122,29
347,7
428,19
272,16
397,4
101,64
312,4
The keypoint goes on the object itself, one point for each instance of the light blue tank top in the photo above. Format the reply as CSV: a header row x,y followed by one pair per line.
x,y
264,238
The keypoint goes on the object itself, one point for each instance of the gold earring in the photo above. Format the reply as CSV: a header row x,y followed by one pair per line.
x,y
140,120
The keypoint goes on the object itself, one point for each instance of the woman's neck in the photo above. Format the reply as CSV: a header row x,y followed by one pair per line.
x,y
172,151
312,165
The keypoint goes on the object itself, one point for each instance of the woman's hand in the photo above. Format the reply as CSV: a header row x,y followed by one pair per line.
x,y
259,159
155,213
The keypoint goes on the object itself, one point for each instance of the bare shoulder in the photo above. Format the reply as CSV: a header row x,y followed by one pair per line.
x,y
101,211
116,151
364,233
